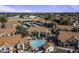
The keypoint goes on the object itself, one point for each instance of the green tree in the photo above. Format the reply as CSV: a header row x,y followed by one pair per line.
x,y
21,30
21,16
3,20
70,21
46,16
52,25
75,30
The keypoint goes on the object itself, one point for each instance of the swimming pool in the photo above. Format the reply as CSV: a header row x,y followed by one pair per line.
x,y
37,43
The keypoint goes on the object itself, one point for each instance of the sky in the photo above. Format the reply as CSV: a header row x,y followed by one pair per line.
x,y
39,8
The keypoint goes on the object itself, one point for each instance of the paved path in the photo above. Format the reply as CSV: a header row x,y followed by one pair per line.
x,y
64,48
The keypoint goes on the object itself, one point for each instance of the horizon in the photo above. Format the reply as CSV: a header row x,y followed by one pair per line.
x,y
39,8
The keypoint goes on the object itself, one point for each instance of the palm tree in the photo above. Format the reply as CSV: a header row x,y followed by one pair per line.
x,y
3,20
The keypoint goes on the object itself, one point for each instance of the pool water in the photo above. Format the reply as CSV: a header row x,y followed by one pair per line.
x,y
37,43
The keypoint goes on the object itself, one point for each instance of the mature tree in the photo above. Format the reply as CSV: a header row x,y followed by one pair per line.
x,y
51,25
64,20
73,43
57,20
75,29
16,49
46,16
21,16
21,30
3,20
57,32
70,21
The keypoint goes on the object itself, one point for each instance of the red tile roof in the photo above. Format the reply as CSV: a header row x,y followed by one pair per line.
x,y
39,29
12,22
67,35
65,27
8,30
11,40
